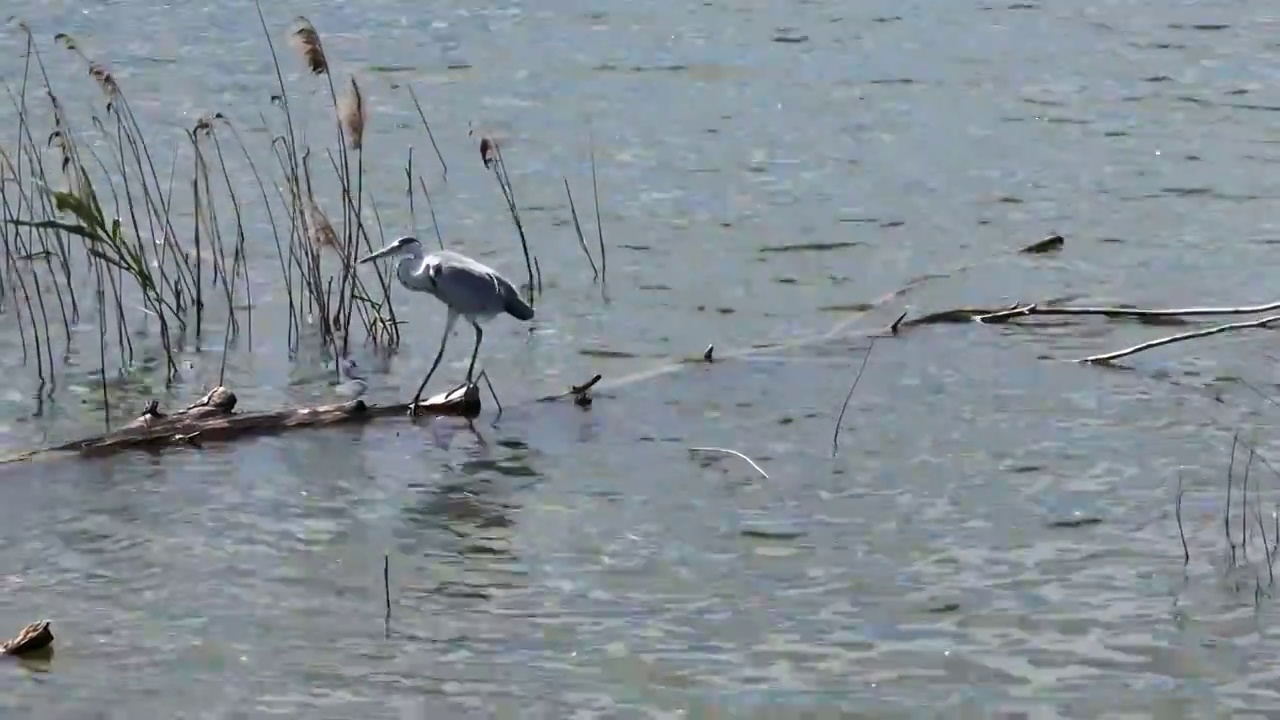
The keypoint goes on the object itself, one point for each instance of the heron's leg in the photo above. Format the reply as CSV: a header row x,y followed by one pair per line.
x,y
476,352
448,328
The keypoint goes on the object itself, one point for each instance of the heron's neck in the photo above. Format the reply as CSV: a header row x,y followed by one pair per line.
x,y
410,260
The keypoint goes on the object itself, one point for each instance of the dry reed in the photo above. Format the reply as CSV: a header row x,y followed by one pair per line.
x,y
307,42
151,242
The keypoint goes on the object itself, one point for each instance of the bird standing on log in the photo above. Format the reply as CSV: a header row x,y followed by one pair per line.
x,y
467,287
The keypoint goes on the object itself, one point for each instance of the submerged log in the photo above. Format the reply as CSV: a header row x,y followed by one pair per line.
x,y
213,418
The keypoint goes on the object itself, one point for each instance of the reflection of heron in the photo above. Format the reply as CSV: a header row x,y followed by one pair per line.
x,y
356,384
465,286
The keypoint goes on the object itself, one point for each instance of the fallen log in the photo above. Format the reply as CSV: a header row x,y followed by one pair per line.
x,y
213,418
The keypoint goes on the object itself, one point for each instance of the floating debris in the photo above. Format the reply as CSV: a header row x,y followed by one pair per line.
x,y
32,639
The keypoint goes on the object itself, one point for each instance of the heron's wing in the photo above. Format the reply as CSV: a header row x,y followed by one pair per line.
x,y
470,287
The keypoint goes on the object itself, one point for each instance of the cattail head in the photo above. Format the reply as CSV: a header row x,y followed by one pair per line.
x,y
307,41
354,114
321,233
104,78
205,123
488,149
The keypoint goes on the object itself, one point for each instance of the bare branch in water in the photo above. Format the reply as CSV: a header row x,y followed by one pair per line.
x,y
1244,509
386,593
595,191
577,226
1177,513
1107,358
430,136
1032,309
1266,547
1053,243
1226,515
735,453
432,209
893,328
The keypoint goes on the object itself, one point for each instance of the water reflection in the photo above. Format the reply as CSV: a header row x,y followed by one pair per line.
x,y
466,521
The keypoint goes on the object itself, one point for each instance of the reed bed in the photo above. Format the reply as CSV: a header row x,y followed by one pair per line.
x,y
98,233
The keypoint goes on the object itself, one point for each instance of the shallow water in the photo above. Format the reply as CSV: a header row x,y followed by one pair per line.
x,y
767,170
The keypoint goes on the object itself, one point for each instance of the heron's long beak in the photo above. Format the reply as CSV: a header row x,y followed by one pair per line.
x,y
381,253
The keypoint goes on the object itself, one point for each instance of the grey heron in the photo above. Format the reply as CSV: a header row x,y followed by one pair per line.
x,y
467,287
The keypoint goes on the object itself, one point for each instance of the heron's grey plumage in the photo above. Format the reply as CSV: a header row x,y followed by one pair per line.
x,y
467,287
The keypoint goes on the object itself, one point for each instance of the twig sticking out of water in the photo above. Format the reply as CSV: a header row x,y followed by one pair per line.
x,y
577,226
893,328
432,209
1053,243
386,593
575,391
735,453
835,435
489,149
595,191
1177,513
430,136
1226,515
1266,546
1244,509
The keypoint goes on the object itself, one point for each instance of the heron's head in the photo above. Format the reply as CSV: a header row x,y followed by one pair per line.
x,y
401,246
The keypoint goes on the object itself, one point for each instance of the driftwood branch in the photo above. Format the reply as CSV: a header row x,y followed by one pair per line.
x,y
213,418
991,316
1022,310
735,453
1106,358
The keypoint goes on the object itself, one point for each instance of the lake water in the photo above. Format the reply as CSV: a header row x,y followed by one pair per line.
x,y
996,536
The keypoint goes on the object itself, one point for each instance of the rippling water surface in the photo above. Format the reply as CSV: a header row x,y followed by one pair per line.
x,y
995,538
